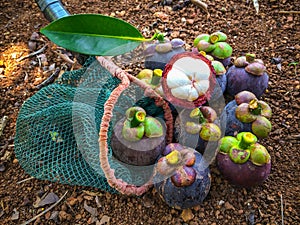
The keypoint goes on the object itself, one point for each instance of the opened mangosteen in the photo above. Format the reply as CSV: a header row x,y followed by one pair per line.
x,y
243,161
181,177
196,128
138,139
158,54
247,113
188,80
215,44
247,74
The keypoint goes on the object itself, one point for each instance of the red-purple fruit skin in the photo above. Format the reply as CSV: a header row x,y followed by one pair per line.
x,y
159,60
141,153
239,80
229,123
242,175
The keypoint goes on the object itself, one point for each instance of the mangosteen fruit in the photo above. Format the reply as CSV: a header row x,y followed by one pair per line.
x,y
158,54
197,127
215,44
188,80
247,74
247,113
138,139
180,177
243,161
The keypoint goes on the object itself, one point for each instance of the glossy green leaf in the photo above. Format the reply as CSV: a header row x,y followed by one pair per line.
x,y
93,34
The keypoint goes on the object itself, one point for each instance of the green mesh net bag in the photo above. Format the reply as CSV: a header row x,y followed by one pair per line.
x,y
63,131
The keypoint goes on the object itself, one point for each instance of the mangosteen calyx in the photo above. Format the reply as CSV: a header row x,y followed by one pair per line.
x,y
254,111
178,164
251,64
137,125
201,121
244,147
215,44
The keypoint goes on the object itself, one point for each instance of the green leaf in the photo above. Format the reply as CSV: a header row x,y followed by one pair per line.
x,y
93,34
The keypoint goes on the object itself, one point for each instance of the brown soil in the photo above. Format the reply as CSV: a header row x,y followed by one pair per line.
x,y
270,34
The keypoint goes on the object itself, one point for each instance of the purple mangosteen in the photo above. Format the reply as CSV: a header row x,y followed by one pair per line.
x,y
243,161
181,177
159,53
138,139
247,74
216,45
198,127
247,113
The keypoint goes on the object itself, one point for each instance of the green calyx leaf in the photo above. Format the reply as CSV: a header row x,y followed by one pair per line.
x,y
153,127
94,34
227,142
239,156
259,154
132,133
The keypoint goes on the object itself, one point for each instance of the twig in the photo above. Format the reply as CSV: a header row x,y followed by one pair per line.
x,y
289,12
45,211
295,136
27,179
3,123
32,54
281,202
201,4
49,79
64,57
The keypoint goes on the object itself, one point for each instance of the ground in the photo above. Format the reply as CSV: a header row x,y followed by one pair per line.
x,y
272,33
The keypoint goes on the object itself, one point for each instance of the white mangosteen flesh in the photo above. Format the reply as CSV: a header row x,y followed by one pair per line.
x,y
189,78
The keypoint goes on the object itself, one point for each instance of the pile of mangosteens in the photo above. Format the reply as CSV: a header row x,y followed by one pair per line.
x,y
190,81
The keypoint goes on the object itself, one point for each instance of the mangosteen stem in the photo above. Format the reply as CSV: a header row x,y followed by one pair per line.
x,y
247,140
157,74
137,119
255,107
201,117
174,157
196,113
250,57
157,36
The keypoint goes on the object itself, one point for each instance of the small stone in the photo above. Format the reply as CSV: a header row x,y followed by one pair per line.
x,y
54,216
47,215
15,215
15,161
228,206
190,21
122,13
175,34
72,201
104,220
240,212
2,167
221,202
187,215
89,198
49,199
63,215
78,216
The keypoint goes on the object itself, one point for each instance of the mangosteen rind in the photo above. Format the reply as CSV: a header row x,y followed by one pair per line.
x,y
242,175
184,102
